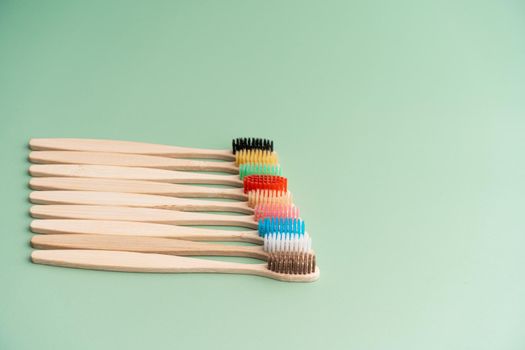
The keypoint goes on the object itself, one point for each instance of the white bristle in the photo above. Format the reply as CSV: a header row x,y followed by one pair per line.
x,y
282,242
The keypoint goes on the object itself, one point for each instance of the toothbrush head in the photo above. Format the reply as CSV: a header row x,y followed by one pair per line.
x,y
292,263
255,156
256,197
278,225
265,182
262,211
258,169
247,143
287,242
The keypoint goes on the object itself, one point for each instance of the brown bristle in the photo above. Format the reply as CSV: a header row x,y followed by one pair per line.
x,y
292,263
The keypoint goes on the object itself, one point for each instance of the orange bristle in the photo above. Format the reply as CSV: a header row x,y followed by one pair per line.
x,y
269,197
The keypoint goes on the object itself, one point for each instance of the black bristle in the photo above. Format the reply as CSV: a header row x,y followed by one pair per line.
x,y
244,143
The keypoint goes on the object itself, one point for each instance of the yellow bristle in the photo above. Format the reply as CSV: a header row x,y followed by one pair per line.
x,y
269,197
256,156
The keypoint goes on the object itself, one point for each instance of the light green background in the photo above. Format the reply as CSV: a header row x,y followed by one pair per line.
x,y
399,123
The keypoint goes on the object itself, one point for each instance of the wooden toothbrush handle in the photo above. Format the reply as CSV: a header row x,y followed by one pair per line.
x,y
144,245
136,200
160,216
133,186
129,160
141,229
131,173
130,261
159,263
94,145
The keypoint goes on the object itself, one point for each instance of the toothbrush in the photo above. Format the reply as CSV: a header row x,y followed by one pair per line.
x,y
278,236
278,186
270,194
139,160
93,145
289,267
141,229
150,174
260,211
169,245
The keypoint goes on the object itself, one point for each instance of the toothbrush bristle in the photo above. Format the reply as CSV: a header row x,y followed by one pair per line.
x,y
262,211
292,263
265,182
258,169
268,197
243,143
280,225
256,156
284,242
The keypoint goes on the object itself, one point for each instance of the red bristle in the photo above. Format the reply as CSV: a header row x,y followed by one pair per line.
x,y
265,182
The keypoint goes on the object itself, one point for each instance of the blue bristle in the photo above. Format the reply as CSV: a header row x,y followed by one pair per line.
x,y
281,225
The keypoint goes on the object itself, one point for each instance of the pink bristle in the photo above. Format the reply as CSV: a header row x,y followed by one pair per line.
x,y
262,211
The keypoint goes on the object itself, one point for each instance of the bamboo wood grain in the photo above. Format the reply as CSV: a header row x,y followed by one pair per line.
x,y
94,145
159,263
135,200
131,173
134,186
160,216
141,229
129,160
145,245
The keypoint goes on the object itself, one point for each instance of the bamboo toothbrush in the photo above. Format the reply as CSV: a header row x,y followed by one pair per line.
x,y
273,240
247,163
141,229
169,245
128,147
289,267
135,186
275,194
251,199
260,211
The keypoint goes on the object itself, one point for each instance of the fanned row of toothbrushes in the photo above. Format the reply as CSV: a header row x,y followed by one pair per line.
x,y
131,206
